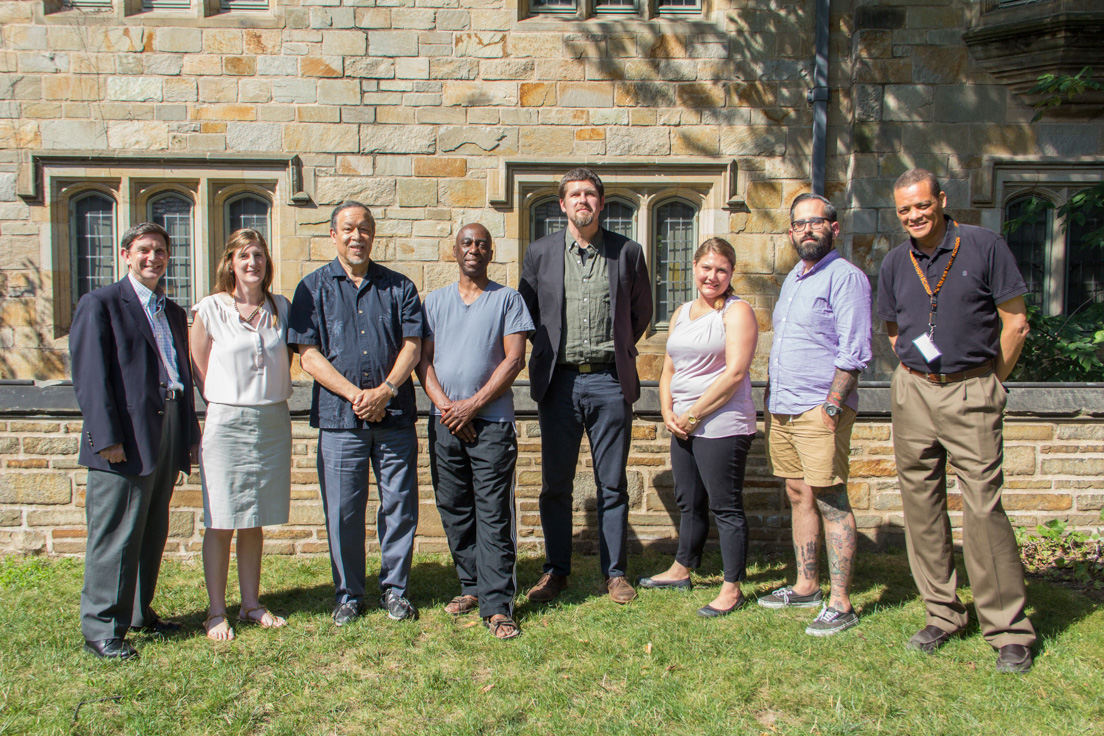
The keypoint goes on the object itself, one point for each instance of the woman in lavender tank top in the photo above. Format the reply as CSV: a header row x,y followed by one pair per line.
x,y
705,396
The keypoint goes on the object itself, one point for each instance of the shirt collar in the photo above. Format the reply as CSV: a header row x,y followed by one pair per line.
x,y
337,271
948,240
153,299
595,245
823,262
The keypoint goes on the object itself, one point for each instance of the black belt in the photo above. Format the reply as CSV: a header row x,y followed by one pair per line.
x,y
174,394
587,367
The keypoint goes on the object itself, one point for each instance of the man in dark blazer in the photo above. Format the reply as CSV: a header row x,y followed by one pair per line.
x,y
133,382
588,292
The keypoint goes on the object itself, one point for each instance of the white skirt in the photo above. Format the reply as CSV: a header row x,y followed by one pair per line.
x,y
245,460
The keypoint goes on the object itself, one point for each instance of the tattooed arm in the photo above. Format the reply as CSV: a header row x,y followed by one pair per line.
x,y
843,383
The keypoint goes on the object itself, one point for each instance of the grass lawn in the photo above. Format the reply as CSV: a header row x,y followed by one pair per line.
x,y
582,666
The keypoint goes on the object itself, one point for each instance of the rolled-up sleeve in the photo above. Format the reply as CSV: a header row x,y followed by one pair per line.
x,y
851,306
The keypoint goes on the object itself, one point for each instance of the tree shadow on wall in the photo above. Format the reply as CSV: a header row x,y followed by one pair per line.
x,y
26,325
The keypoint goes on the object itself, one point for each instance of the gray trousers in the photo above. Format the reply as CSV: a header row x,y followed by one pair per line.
x,y
344,459
474,485
128,521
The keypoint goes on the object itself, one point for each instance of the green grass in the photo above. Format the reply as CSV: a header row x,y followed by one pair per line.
x,y
582,666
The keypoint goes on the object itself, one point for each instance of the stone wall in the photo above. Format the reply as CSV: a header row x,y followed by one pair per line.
x,y
418,107
1052,472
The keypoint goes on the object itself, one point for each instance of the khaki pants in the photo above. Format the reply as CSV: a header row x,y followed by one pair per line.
x,y
961,423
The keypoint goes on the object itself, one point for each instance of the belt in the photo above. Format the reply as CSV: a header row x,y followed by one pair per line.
x,y
173,394
980,370
587,367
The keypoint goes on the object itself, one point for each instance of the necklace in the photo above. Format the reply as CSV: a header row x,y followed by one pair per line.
x,y
249,320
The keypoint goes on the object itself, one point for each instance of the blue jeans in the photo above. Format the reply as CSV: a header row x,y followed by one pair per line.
x,y
574,403
344,458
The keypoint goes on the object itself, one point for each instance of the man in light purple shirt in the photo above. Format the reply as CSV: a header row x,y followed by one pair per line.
x,y
821,343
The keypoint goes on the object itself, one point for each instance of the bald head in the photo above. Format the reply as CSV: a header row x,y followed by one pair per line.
x,y
473,251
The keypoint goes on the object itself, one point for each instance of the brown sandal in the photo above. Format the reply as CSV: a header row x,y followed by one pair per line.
x,y
245,616
502,626
225,620
462,604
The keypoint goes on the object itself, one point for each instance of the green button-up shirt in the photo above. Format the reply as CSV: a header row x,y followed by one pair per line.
x,y
587,318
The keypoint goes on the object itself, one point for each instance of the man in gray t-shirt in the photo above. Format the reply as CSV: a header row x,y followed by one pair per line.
x,y
472,350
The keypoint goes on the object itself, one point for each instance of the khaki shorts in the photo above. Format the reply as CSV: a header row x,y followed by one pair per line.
x,y
800,446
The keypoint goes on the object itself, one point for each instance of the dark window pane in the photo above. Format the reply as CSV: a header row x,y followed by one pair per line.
x,y
552,6
93,222
547,218
1084,262
617,216
250,212
614,6
174,213
678,5
674,238
1028,243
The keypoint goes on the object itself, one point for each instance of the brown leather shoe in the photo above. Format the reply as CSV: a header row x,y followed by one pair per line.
x,y
619,590
547,588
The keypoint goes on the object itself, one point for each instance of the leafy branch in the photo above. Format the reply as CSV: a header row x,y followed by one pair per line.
x,y
1062,88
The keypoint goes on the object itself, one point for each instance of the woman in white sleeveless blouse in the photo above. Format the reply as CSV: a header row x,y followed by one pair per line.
x,y
243,369
705,397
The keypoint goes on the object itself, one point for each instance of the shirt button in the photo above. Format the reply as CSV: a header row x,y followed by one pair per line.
x,y
362,332
365,352
360,311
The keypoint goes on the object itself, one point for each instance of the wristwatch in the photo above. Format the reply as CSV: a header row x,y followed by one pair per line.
x,y
691,420
832,410
391,387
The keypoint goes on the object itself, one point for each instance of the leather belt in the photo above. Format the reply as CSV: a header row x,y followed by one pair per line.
x,y
587,367
981,370
173,394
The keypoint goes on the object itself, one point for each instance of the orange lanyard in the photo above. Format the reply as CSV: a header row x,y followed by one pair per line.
x,y
924,280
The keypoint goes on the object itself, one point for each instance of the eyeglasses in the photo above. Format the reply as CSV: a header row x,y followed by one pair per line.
x,y
816,223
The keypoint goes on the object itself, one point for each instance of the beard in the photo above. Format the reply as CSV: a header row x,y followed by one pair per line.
x,y
814,250
582,219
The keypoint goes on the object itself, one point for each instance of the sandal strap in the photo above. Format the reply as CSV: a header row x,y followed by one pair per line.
x,y
210,617
503,623
244,614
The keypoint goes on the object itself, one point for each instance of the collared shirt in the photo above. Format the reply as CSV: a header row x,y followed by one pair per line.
x,y
967,325
821,323
587,318
360,330
153,304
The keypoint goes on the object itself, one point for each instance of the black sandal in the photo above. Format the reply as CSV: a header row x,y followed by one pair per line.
x,y
502,626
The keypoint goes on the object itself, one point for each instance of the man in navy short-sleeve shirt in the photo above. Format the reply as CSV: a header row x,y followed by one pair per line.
x,y
358,327
952,300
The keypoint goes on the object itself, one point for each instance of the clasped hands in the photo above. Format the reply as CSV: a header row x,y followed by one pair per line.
x,y
370,404
679,426
457,416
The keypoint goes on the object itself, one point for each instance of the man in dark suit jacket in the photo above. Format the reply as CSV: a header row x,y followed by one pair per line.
x,y
589,295
133,383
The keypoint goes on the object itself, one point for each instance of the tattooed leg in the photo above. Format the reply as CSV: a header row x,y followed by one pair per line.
x,y
840,536
806,535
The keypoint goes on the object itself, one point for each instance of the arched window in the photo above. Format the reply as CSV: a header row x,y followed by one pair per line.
x,y
675,239
92,229
247,210
1028,242
173,212
619,217
1084,262
546,218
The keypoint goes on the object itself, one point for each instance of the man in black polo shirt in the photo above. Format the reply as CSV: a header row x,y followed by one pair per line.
x,y
952,300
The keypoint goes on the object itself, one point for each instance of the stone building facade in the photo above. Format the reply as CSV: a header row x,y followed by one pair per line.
x,y
210,114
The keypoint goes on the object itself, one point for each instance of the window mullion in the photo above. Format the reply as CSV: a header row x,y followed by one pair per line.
x,y
1056,261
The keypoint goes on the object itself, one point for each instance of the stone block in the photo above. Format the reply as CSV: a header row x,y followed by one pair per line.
x,y
480,94
181,90
696,141
634,141
585,94
939,65
339,92
535,45
218,89
134,89
548,142
372,191
1037,501
370,68
537,94
753,141
11,517
907,102
259,42
320,66
49,62
700,95
463,193
480,45
254,137
55,517
294,90
1079,432
1019,460
320,138
222,41
507,69
417,193
239,66
344,43
440,167
200,65
397,139
393,43
177,40
411,68
254,90
970,103
277,66
73,134
1072,466
35,488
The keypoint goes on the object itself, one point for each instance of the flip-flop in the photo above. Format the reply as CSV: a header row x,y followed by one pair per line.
x,y
245,616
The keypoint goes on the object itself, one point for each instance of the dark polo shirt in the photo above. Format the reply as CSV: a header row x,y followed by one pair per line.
x,y
360,331
967,327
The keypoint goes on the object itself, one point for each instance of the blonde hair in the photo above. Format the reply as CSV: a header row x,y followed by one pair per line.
x,y
225,281
724,249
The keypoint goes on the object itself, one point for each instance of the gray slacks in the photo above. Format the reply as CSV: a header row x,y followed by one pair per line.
x,y
344,459
128,522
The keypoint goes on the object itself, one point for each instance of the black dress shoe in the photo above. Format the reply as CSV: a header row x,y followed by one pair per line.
x,y
653,584
929,638
158,627
708,611
1015,658
111,649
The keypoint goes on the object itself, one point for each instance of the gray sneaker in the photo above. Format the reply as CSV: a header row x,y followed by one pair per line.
x,y
830,621
397,607
787,598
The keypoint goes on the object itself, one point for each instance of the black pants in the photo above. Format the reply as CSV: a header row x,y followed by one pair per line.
x,y
591,403
474,485
709,476
128,522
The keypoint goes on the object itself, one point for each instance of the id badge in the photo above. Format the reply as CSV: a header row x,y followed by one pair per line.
x,y
926,347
